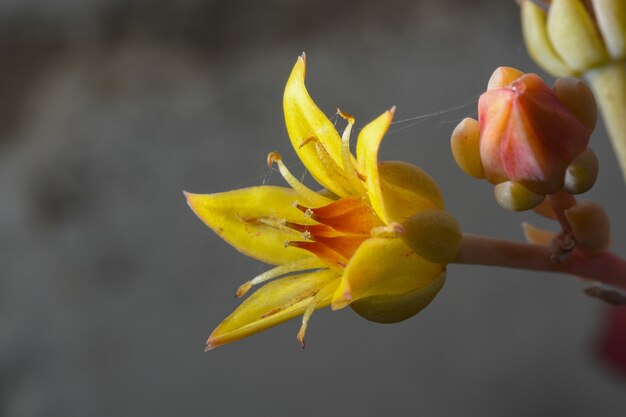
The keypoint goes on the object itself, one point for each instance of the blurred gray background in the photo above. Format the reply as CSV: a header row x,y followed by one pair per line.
x,y
109,285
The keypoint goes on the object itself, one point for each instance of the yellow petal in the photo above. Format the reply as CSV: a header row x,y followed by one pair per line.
x,y
384,270
272,304
537,40
406,190
574,35
305,121
252,220
611,18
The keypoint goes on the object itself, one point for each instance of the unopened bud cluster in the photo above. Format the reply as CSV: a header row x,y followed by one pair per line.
x,y
530,140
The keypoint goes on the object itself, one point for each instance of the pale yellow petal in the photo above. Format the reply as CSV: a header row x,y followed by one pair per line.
x,y
252,220
305,121
611,18
274,303
574,35
534,26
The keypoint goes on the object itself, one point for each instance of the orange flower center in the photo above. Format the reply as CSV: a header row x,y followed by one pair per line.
x,y
342,226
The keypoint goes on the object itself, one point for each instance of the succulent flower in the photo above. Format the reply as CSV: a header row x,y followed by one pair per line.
x,y
530,140
358,242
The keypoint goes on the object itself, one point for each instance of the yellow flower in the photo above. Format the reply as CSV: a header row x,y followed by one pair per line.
x,y
344,245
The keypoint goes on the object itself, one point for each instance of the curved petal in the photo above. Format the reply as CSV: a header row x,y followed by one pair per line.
x,y
367,156
406,190
611,18
272,304
574,35
538,42
384,267
253,220
306,121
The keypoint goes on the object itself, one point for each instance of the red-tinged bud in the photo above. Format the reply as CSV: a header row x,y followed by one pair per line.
x,y
529,134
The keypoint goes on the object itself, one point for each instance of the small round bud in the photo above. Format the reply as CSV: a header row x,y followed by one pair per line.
x,y
465,146
577,96
590,225
581,174
435,235
514,196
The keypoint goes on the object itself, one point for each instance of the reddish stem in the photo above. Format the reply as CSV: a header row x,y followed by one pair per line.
x,y
560,202
604,267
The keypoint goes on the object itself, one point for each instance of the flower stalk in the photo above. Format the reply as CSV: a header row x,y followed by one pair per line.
x,y
605,267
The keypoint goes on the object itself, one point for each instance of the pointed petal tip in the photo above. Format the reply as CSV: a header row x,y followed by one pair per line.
x,y
187,195
342,301
190,198
392,110
302,56
209,346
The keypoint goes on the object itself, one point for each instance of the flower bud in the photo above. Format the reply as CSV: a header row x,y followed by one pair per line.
x,y
581,174
435,235
590,225
514,196
529,135
466,148
393,308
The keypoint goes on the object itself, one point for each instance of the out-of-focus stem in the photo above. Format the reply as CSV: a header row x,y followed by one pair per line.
x,y
609,85
560,202
604,267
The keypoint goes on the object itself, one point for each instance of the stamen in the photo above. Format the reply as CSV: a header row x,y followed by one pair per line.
x,y
301,297
304,191
299,265
360,176
314,229
348,161
271,221
326,291
337,173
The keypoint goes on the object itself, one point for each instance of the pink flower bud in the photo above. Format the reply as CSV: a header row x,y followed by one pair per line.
x,y
530,133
